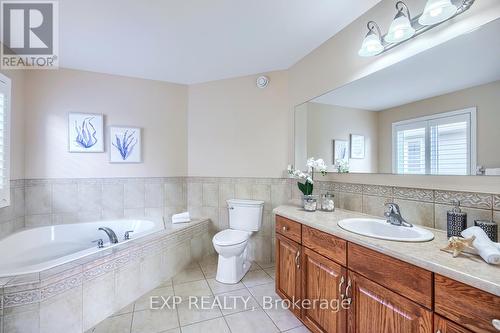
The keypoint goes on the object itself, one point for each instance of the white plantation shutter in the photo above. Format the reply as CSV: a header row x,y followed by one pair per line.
x,y
442,144
5,86
411,149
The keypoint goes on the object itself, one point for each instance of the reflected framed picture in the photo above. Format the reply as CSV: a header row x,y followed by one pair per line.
x,y
85,133
340,151
357,146
125,145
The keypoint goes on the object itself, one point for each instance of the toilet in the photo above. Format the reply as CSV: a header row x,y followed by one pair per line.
x,y
245,217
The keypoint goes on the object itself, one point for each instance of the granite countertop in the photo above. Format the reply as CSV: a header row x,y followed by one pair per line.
x,y
466,268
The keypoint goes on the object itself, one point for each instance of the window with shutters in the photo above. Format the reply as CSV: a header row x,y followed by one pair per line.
x,y
441,144
4,141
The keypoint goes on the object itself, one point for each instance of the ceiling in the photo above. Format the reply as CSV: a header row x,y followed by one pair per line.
x,y
466,61
191,41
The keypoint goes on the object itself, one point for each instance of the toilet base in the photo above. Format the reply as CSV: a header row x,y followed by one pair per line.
x,y
232,269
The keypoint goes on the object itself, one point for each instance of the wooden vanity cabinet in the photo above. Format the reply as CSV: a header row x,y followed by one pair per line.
x,y
377,309
465,305
288,280
443,325
323,279
387,295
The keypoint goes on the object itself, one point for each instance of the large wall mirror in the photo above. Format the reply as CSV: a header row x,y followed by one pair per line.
x,y
436,113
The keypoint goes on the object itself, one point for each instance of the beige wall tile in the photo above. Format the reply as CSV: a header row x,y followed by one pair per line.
x,y
226,192
243,190
154,197
64,198
472,214
21,319
414,194
89,196
62,313
374,205
194,194
417,212
98,299
280,194
262,192
351,201
38,199
211,195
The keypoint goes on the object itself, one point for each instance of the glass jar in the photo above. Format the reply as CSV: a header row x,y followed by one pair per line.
x,y
328,202
310,204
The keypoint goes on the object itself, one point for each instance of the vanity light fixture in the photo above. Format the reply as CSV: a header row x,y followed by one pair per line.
x,y
372,44
401,27
404,27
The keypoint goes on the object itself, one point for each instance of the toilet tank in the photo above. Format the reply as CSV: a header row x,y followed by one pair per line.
x,y
245,215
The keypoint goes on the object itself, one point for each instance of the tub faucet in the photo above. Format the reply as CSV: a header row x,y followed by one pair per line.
x,y
393,214
111,235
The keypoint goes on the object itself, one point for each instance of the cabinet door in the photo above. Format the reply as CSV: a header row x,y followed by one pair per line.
x,y
442,325
375,309
288,270
323,281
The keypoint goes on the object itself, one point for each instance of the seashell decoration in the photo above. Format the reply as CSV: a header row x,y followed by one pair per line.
x,y
457,245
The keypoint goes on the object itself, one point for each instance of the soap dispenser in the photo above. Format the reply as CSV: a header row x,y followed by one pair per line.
x,y
456,220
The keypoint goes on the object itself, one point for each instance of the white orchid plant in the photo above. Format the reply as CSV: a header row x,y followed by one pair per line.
x,y
312,165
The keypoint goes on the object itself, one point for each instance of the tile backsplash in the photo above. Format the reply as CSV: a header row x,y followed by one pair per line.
x,y
58,201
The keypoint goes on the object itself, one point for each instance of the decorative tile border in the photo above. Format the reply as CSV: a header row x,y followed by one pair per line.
x,y
381,191
21,298
351,188
414,194
496,202
472,200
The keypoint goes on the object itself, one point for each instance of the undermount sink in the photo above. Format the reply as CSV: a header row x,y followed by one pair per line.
x,y
377,228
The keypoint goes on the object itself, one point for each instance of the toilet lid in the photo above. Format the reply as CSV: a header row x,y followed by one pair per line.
x,y
230,237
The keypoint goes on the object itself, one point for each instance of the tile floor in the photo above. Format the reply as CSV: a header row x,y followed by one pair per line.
x,y
199,280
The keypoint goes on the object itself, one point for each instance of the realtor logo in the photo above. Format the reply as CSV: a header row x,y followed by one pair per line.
x,y
29,33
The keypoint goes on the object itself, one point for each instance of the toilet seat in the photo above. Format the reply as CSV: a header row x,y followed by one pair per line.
x,y
230,237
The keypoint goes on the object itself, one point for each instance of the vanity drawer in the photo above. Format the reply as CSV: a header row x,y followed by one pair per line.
x,y
325,244
466,305
406,279
289,228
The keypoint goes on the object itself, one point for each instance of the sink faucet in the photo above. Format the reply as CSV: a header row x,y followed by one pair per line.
x,y
111,234
393,214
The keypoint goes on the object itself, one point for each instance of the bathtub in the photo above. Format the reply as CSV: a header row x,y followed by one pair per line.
x,y
38,249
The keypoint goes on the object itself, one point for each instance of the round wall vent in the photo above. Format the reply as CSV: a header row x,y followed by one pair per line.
x,y
262,82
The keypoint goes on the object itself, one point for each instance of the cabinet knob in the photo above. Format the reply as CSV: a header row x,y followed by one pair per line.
x,y
438,331
297,256
284,228
496,324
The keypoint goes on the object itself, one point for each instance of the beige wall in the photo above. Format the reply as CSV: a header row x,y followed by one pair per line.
x,y
328,122
17,123
237,129
157,107
485,97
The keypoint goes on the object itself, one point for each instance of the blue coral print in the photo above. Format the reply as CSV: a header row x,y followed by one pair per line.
x,y
125,143
86,133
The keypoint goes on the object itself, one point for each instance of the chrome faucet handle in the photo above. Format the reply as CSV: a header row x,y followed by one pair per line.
x,y
127,234
392,208
100,243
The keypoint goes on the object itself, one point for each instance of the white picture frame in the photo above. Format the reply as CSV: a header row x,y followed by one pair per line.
x,y
125,144
357,146
340,151
85,132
